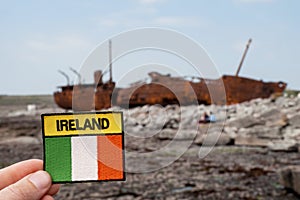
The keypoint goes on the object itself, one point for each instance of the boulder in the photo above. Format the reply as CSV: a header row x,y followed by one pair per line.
x,y
291,133
213,134
289,177
166,134
274,117
283,146
231,131
294,121
171,123
245,122
284,102
285,177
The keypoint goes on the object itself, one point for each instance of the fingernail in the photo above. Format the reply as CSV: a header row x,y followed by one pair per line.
x,y
40,179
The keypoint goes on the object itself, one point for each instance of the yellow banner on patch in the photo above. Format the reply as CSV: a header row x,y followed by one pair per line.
x,y
69,124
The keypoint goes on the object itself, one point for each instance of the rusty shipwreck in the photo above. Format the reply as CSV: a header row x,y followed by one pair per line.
x,y
164,90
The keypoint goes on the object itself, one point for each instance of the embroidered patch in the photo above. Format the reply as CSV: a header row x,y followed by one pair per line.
x,y
81,147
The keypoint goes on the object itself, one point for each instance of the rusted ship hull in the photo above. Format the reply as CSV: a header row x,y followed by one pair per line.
x,y
85,97
165,90
103,96
151,94
77,97
64,98
226,90
240,89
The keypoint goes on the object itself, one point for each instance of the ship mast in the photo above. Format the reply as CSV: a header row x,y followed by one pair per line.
x,y
243,58
66,76
78,75
110,62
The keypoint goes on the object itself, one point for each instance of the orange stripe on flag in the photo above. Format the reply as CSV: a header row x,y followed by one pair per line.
x,y
110,157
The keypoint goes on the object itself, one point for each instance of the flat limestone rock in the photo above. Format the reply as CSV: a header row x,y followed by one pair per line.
x,y
261,132
251,141
274,117
170,134
294,121
21,140
284,146
245,122
219,139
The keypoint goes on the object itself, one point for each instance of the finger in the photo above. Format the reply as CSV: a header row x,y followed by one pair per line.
x,y
13,173
32,187
47,197
54,189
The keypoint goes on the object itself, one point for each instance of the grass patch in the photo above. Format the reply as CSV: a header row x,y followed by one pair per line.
x,y
25,100
291,93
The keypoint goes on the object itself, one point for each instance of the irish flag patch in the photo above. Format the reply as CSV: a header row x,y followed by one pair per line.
x,y
81,147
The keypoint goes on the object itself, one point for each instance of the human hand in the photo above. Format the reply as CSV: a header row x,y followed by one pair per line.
x,y
26,181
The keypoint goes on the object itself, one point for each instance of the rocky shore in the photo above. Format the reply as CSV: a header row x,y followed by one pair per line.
x,y
250,152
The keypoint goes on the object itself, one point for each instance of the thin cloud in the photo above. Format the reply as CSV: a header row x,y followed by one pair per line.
x,y
42,47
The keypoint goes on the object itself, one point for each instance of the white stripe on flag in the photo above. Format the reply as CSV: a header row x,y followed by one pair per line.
x,y
84,158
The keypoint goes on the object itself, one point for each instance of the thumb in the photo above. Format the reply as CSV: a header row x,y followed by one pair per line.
x,y
32,187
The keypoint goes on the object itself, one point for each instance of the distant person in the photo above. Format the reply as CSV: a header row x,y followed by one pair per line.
x,y
205,118
26,181
212,117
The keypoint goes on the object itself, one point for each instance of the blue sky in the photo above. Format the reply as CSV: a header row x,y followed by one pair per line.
x,y
40,37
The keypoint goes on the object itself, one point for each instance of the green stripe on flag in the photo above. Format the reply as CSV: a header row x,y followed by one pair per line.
x,y
58,158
